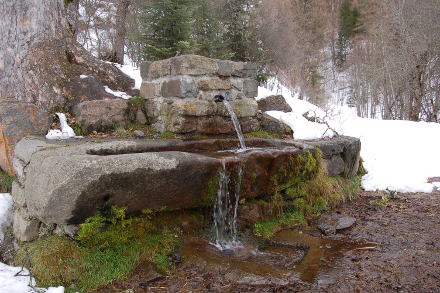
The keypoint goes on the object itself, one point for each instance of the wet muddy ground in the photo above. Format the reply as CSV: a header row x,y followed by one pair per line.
x,y
390,249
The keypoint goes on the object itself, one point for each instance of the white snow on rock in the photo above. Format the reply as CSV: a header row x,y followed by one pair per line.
x,y
14,280
65,132
118,94
398,155
5,213
131,71
83,76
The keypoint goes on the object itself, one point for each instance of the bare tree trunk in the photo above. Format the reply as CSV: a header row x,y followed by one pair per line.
x,y
40,68
121,30
73,16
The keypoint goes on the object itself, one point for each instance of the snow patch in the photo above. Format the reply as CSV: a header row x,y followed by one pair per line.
x,y
82,76
398,155
5,213
65,132
118,94
16,280
132,71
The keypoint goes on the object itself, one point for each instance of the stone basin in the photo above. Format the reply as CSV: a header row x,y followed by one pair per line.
x,y
65,182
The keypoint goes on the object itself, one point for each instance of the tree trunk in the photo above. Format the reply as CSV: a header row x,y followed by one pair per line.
x,y
40,68
121,30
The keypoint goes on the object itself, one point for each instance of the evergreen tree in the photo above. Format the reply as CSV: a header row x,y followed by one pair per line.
x,y
236,25
167,26
348,23
206,31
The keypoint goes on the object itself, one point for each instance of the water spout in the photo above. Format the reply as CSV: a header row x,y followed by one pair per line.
x,y
236,124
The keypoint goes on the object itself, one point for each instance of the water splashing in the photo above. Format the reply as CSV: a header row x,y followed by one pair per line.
x,y
225,212
236,124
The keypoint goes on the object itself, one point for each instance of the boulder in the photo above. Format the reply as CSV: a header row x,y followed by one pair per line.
x,y
18,119
101,115
272,125
347,148
274,103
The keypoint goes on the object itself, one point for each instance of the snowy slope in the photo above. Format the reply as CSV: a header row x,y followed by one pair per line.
x,y
398,155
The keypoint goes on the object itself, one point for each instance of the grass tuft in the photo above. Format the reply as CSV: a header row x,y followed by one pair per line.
x,y
6,182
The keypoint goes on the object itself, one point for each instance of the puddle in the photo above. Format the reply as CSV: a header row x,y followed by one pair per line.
x,y
289,252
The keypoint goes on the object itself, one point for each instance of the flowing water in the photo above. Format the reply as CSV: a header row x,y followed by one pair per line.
x,y
236,124
228,197
225,209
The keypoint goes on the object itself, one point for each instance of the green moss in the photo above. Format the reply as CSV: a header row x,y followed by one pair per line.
x,y
211,194
78,129
305,191
261,134
107,249
134,105
167,135
6,182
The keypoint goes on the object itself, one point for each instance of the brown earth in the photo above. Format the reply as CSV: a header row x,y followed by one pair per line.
x,y
400,252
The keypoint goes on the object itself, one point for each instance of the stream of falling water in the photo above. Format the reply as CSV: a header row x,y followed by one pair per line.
x,y
226,206
225,210
236,124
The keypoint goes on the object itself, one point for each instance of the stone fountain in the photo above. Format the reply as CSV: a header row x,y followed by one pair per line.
x,y
61,183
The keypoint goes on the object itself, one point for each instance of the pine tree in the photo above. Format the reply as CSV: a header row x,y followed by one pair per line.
x,y
348,23
167,26
236,21
206,31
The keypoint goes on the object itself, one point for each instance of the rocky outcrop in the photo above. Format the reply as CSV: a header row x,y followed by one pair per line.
x,y
181,94
274,103
63,183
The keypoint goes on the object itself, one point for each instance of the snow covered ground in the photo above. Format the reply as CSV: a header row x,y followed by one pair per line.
x,y
398,155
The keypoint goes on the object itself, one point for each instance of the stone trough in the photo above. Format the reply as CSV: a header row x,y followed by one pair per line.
x,y
61,184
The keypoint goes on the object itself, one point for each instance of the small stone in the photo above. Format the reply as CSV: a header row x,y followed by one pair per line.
x,y
140,117
17,194
345,223
138,134
24,227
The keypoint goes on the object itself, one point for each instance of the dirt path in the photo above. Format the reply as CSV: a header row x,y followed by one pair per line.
x,y
406,257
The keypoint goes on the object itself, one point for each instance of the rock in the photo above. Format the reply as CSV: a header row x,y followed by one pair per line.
x,y
214,84
192,65
149,90
17,194
25,228
272,125
274,103
100,115
250,88
17,120
158,69
180,87
140,117
138,134
145,70
345,223
193,107
249,214
65,185
348,148
333,223
334,166
22,155
242,108
69,230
